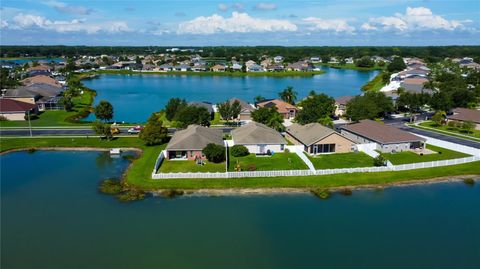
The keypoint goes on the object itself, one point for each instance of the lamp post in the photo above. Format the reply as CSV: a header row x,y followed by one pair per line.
x,y
29,124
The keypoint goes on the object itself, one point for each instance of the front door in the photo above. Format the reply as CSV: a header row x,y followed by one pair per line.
x,y
261,149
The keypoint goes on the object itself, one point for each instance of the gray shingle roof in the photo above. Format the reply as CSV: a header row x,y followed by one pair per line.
x,y
195,137
381,133
310,133
256,133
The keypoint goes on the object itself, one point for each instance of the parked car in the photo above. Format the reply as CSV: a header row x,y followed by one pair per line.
x,y
135,130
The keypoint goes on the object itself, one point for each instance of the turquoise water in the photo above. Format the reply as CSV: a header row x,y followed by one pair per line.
x,y
53,217
26,60
135,97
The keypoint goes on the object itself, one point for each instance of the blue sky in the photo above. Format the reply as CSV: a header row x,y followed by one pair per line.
x,y
213,23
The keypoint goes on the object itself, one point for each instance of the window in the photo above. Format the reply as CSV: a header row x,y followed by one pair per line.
x,y
324,148
282,147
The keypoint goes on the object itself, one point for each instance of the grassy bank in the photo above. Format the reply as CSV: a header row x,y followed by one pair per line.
x,y
411,157
375,84
209,73
475,134
139,173
341,160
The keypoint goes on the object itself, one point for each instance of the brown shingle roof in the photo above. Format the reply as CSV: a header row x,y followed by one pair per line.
x,y
465,114
283,107
343,100
41,79
416,81
309,133
195,137
257,133
10,105
381,133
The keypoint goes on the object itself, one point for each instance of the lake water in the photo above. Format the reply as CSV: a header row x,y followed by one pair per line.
x,y
53,217
27,60
135,97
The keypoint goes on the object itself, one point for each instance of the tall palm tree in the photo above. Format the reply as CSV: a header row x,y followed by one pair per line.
x,y
288,95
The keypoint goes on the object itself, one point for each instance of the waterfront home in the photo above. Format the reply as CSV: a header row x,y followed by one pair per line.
x,y
218,68
245,109
318,139
236,67
387,139
45,96
315,60
415,85
255,68
285,109
189,143
197,67
465,114
299,66
418,72
250,63
258,138
182,68
15,110
275,68
265,63
278,59
41,79
165,67
341,105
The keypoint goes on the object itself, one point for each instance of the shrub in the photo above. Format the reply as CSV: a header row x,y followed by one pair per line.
x,y
346,192
239,151
32,117
452,125
380,160
171,193
110,186
321,193
469,181
214,153
286,151
3,118
252,167
131,195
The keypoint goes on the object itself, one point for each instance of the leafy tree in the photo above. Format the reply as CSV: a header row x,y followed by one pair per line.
x,y
7,80
369,106
66,102
396,65
154,133
228,110
104,111
173,106
327,121
439,117
102,129
288,95
365,61
441,101
239,151
315,108
269,117
386,77
214,153
380,160
192,115
259,99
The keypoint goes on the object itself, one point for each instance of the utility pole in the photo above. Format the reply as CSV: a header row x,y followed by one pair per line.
x,y
29,124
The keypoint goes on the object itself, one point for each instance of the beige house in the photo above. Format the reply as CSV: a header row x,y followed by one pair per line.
x,y
318,139
246,110
341,105
285,109
258,138
465,114
15,110
188,144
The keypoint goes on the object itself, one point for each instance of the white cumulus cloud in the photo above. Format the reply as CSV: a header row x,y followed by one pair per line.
x,y
414,19
237,23
29,21
334,25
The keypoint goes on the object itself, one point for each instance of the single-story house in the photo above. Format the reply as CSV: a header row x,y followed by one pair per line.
x,y
255,68
182,68
298,66
415,85
44,68
218,68
15,110
258,138
341,105
387,138
41,79
236,67
45,96
245,111
465,114
188,144
166,67
278,59
285,109
318,139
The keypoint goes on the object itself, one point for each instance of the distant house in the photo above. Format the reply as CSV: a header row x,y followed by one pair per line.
x,y
165,67
471,65
413,73
41,80
188,144
236,67
246,109
199,67
465,114
258,138
275,68
45,96
318,139
249,63
182,68
285,109
349,60
15,110
45,68
278,59
415,85
255,68
341,105
315,60
387,138
218,68
299,66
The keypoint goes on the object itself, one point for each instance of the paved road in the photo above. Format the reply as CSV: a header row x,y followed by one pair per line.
x,y
66,132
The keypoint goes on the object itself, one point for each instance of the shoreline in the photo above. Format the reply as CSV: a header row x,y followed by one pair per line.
x,y
208,73
282,191
67,149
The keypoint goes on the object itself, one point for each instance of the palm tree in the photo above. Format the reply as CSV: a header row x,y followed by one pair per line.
x,y
258,98
288,95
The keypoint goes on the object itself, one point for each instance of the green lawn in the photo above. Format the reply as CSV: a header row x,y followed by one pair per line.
x,y
139,173
217,119
279,161
410,157
352,67
57,117
375,84
190,166
341,160
431,124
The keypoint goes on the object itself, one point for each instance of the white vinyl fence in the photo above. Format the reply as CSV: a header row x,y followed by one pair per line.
x,y
286,173
451,146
